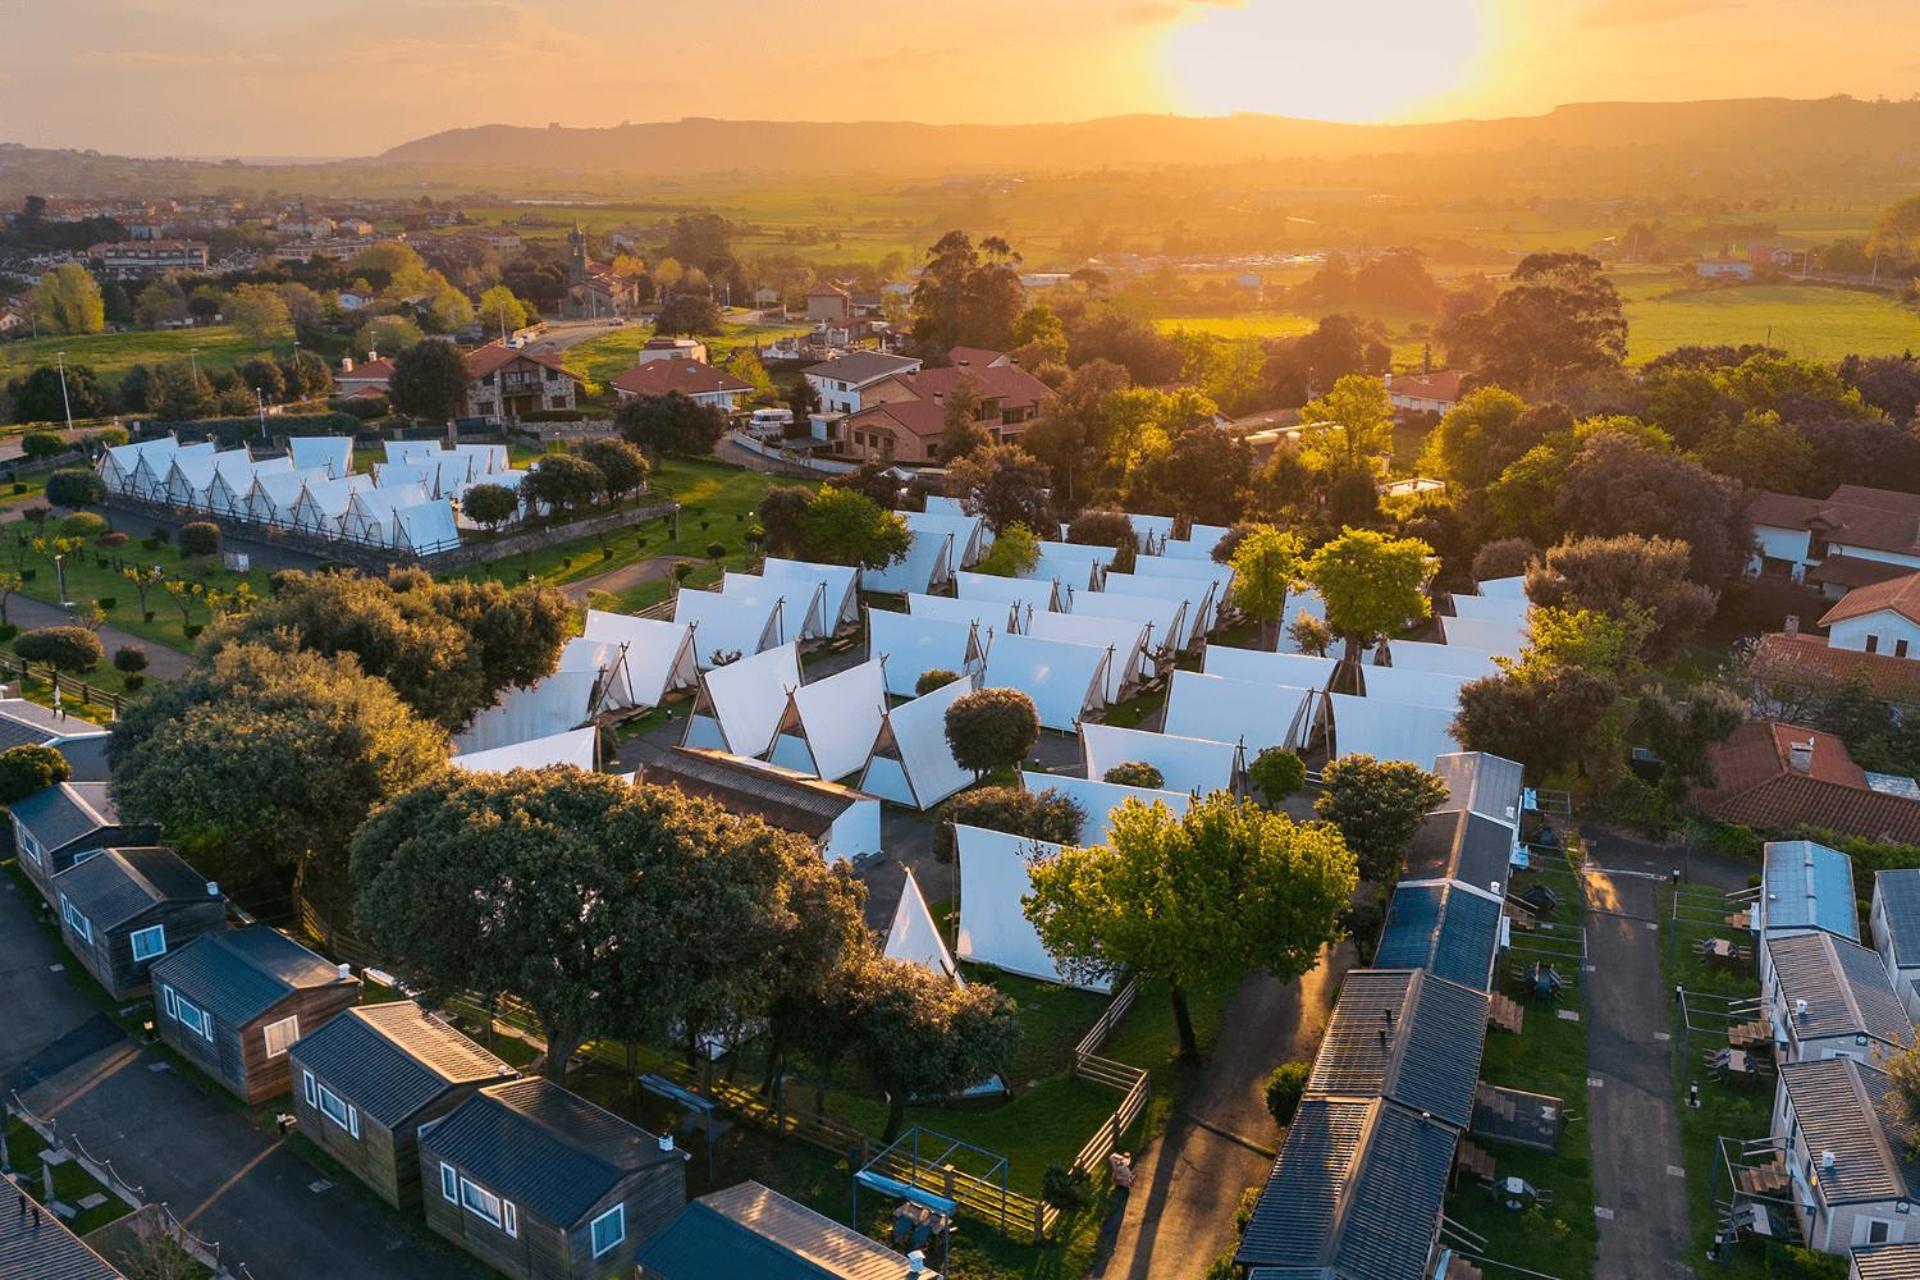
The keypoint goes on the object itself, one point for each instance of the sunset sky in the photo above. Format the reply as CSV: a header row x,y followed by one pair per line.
x,y
275,77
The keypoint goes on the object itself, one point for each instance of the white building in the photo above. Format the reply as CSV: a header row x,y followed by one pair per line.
x,y
1881,618
840,382
1852,1180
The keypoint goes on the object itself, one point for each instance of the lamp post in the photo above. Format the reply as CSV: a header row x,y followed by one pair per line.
x,y
60,358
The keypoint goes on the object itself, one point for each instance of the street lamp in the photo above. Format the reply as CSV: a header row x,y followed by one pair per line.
x,y
260,400
60,358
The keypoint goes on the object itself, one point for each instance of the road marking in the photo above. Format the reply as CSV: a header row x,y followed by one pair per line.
x,y
1676,1171
1603,1213
1594,1082
227,1186
110,1067
1567,1015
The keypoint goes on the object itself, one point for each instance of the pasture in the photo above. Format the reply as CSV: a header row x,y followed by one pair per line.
x,y
110,355
1807,320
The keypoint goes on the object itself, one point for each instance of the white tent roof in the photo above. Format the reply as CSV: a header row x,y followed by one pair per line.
x,y
331,454
1300,600
377,505
1178,567
1391,730
1098,800
967,542
1453,659
1514,588
428,526
839,583
1073,573
452,474
330,498
1185,764
1492,609
1301,670
1197,594
1503,637
412,450
1407,684
574,747
1034,593
914,644
744,702
840,719
659,654
937,505
272,496
727,620
915,938
1125,639
1199,543
1254,714
802,610
929,562
1165,617
989,615
118,462
487,458
993,928
603,657
390,475
919,769
1102,556
1150,532
1065,680
561,701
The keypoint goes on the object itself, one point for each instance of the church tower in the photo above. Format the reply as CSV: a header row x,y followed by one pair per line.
x,y
576,255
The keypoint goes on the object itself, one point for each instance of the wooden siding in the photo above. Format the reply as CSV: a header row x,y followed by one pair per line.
x,y
109,957
386,1160
262,1077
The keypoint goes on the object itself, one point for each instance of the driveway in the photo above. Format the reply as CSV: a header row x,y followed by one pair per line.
x,y
163,661
199,1155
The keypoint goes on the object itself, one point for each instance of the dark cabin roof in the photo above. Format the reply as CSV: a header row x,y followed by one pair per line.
x,y
1457,845
71,811
1481,783
1843,1106
1357,1192
83,743
1845,986
751,1230
48,1251
393,1059
1405,1035
779,797
119,884
1888,1262
548,1150
1447,929
1900,901
239,975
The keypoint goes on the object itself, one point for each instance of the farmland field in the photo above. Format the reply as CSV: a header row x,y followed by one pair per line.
x,y
600,358
1812,321
111,354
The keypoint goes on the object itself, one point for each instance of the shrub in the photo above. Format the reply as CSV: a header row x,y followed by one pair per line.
x,y
129,658
1505,558
108,603
1278,773
1066,1189
8,630
1284,1087
160,536
40,445
933,678
992,727
19,487
200,538
75,487
135,682
109,437
193,630
716,550
84,524
1101,529
113,539
1042,815
1135,773
68,648
27,769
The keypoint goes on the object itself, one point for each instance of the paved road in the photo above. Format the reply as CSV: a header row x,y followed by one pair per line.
x,y
231,1182
163,663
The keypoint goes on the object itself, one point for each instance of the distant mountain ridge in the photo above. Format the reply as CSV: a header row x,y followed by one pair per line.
x,y
1836,128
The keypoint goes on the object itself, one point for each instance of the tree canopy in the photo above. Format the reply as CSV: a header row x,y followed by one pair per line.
x,y
1006,485
1378,806
1372,584
671,424
429,381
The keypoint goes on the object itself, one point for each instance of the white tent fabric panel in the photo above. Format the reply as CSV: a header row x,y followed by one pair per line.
x,y
392,475
659,654
331,454
1098,800
1301,670
604,658
1492,609
1514,588
725,621
914,644
487,459
842,716
1034,593
1406,684
1195,593
1453,659
802,607
921,772
1391,730
411,450
574,747
993,928
927,565
1501,637
1199,543
839,586
120,461
915,938
1102,556
1073,573
747,700
1299,601
428,526
937,505
1124,639
966,531
1150,533
1254,714
988,615
1185,764
561,701
1166,617
1065,680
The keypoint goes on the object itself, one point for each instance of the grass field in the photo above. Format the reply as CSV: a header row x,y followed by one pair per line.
x,y
600,358
110,355
1811,321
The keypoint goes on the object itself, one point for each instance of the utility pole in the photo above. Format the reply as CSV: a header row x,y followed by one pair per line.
x,y
261,401
193,359
60,358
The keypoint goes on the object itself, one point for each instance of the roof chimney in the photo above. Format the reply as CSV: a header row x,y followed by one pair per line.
x,y
1826,1159
1800,756
666,1142
346,364
1792,625
917,1262
346,971
1799,1008
213,888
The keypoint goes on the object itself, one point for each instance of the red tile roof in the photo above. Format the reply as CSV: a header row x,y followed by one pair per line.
x,y
1757,786
924,418
482,361
1852,571
372,371
1901,595
977,357
1441,384
688,377
1881,519
1810,662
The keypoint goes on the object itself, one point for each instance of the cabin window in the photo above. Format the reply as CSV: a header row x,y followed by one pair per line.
x,y
449,1183
480,1202
148,943
280,1035
75,921
194,1019
173,1009
86,855
28,845
512,1213
609,1229
306,1087
336,1109
1899,648
1873,644
1877,1231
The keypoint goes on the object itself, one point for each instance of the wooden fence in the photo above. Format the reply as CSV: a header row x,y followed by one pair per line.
x,y
13,668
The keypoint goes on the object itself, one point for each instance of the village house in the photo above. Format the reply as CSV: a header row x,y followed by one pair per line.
x,y
505,383
828,303
841,383
595,291
82,742
368,378
1723,268
1894,922
123,909
1793,535
701,383
1881,617
127,259
1773,777
1435,392
57,826
671,349
903,416
1790,668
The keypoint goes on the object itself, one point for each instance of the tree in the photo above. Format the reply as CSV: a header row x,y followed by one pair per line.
x,y
1617,484
1541,720
1014,552
1005,484
933,678
75,488
1222,889
1204,473
199,538
41,397
429,381
1615,575
1372,584
1135,773
564,483
1038,328
1277,772
746,365
387,335
961,435
991,728
1265,565
671,424
840,526
160,304
1477,439
624,467
1310,633
923,1035
500,311
688,313
803,399
67,301
129,659
258,761
74,649
960,299
1074,432
1760,451
306,375
259,313
39,446
1352,423
1102,333
1896,230
1378,806
1038,815
30,768
1284,1088
264,375
1339,345
780,514
1504,558
1561,318
1093,528
873,478
490,504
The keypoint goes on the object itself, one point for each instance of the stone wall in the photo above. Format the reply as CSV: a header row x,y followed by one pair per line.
x,y
527,540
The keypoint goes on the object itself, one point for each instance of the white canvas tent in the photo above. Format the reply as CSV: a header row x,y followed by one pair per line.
x,y
119,462
186,483
427,527
420,451
561,701
989,615
370,513
1300,600
928,564
608,660
1185,764
453,474
331,454
322,504
914,644
839,586
1503,637
803,610
574,747
915,938
740,705
1199,543
1301,670
1197,594
392,475
994,930
1452,659
1255,715
659,655
1492,609
968,534
1068,551
912,764
726,622
1420,688
272,498
1391,730
1150,533
940,506
1098,800
1514,588
1124,640
832,725
1165,617
1065,680
1073,573
1037,594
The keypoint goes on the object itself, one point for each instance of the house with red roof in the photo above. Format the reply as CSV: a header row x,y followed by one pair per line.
x,y
368,378
696,380
1435,392
1880,617
903,415
1796,537
1775,777
504,383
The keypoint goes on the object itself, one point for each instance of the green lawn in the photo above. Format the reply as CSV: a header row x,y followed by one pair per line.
x,y
71,1183
598,359
1812,321
110,355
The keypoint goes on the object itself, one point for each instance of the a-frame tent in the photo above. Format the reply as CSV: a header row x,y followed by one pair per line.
x,y
575,747
1195,593
1301,670
1408,684
1452,659
1124,640
830,727
1199,543
913,644
1065,552
839,586
1098,800
726,623
969,541
1198,765
330,454
740,705
988,615
659,655
1391,730
1254,714
994,928
1165,617
606,658
928,564
912,763
1220,575
803,608
555,703
915,938
1501,636
1071,573
1034,594
1066,681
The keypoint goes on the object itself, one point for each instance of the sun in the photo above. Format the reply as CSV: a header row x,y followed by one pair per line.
x,y
1352,60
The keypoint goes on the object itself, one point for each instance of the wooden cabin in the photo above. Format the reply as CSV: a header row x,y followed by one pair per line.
x,y
371,1077
537,1181
123,909
752,1230
234,1003
56,826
